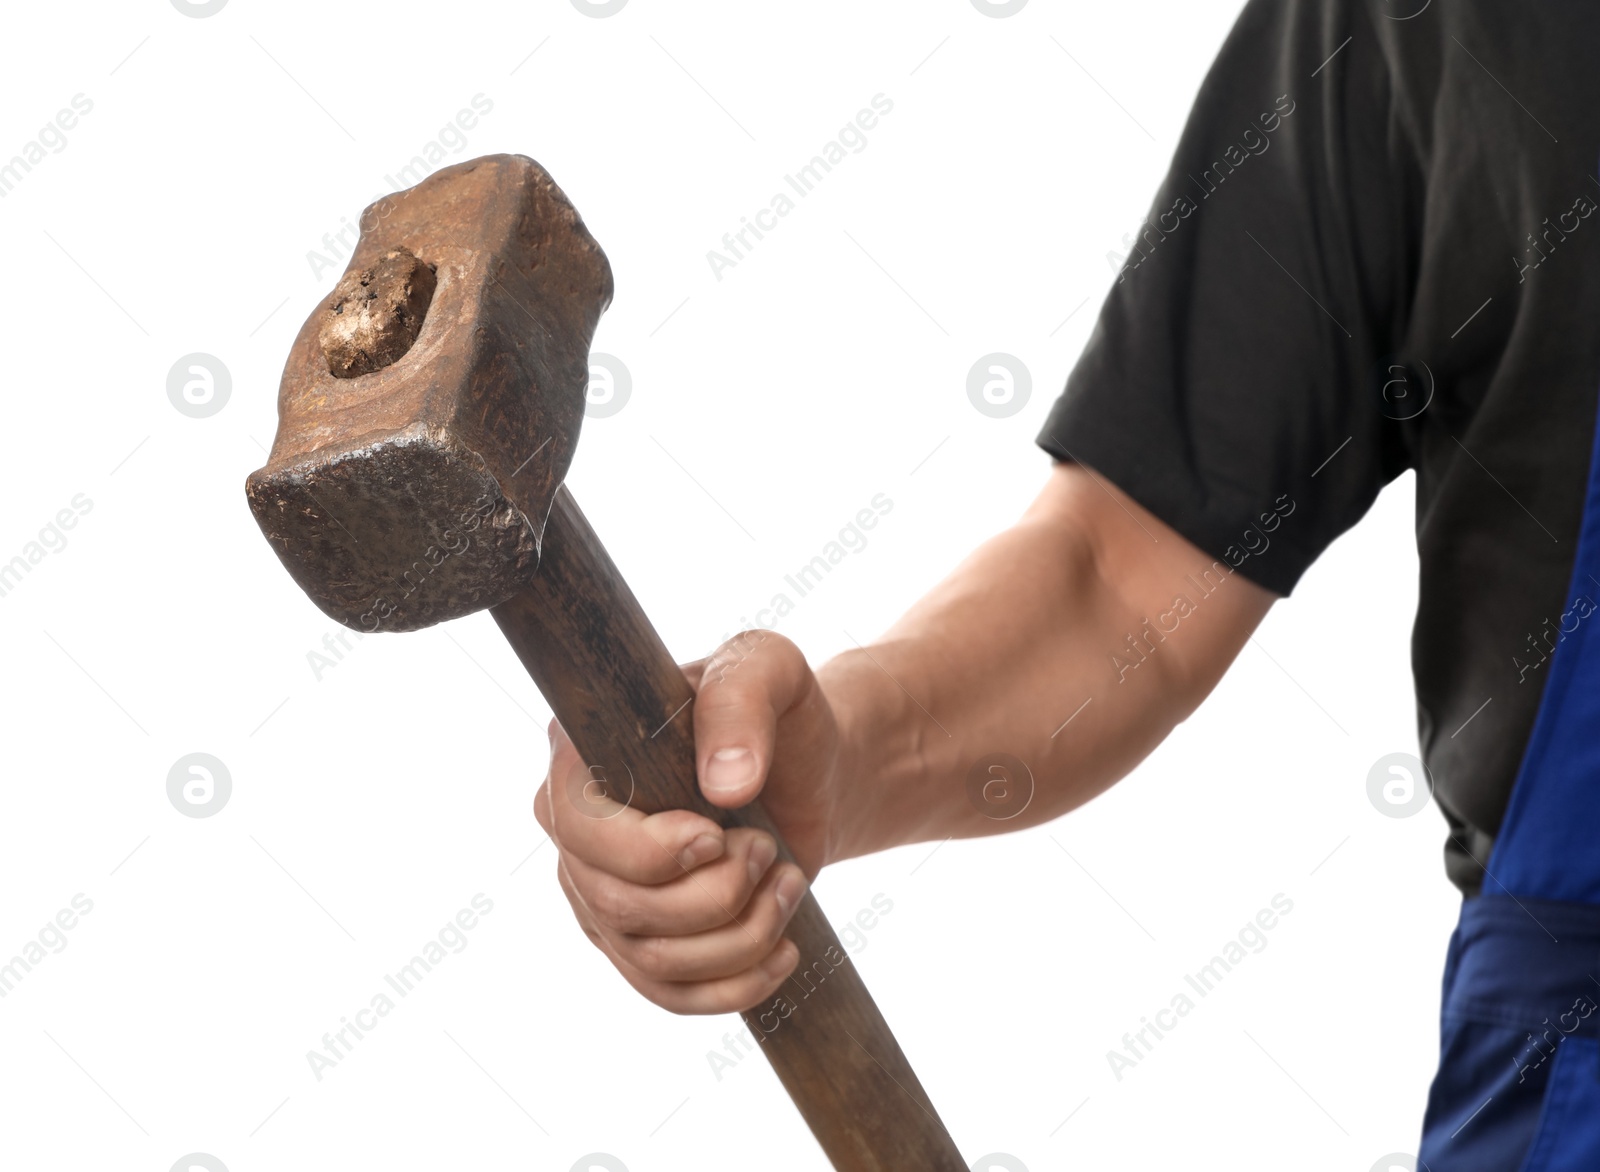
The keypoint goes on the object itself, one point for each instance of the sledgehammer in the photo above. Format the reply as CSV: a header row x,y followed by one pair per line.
x,y
426,419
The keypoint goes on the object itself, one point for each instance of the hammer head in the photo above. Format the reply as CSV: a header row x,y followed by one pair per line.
x,y
430,405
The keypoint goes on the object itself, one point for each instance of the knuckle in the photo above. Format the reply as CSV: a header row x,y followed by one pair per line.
x,y
734,889
732,1001
769,933
651,958
746,952
617,907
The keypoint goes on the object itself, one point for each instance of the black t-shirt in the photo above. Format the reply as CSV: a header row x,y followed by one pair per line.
x,y
1376,250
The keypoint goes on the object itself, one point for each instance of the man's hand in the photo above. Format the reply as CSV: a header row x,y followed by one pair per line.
x,y
691,914
1088,598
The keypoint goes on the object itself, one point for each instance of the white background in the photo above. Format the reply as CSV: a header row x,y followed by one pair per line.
x,y
371,804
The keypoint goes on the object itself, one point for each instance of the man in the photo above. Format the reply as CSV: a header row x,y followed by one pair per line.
x,y
1375,251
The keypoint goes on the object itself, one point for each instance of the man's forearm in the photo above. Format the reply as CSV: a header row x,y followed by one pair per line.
x,y
1074,642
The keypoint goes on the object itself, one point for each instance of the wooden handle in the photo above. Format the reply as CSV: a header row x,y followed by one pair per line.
x,y
621,698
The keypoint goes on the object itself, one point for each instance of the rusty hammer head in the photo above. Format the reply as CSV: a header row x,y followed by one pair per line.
x,y
430,405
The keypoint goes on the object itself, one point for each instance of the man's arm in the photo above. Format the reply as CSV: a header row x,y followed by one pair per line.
x,y
1074,610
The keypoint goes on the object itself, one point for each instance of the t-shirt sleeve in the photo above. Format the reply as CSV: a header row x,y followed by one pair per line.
x,y
1241,381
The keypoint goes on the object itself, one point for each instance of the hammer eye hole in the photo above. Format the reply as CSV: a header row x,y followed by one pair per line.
x,y
389,301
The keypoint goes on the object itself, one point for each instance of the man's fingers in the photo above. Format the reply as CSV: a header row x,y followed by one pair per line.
x,y
541,808
744,688
739,990
580,812
635,847
696,901
757,985
691,914
720,952
731,948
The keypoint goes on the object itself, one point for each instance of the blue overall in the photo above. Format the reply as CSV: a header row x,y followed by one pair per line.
x,y
1518,1086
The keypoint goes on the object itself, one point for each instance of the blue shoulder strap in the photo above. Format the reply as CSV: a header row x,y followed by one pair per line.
x,y
1549,841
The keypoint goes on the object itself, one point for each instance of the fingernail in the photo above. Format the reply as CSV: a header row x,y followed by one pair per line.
x,y
791,889
761,856
729,770
706,846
